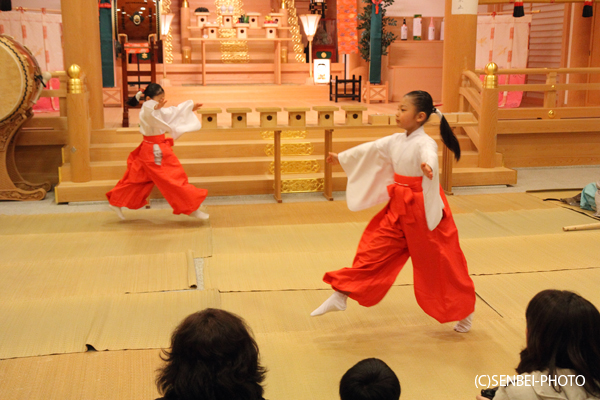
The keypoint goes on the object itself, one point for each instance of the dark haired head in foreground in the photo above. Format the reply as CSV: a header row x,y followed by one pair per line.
x,y
212,357
563,331
370,379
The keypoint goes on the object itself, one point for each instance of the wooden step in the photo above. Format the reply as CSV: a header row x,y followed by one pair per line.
x,y
483,176
230,148
66,192
106,170
263,184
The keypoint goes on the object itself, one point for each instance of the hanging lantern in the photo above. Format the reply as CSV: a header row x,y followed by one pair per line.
x,y
588,9
518,11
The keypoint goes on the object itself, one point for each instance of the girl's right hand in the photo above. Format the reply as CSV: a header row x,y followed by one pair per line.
x,y
332,158
160,104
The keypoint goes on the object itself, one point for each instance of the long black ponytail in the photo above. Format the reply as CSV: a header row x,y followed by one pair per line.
x,y
153,89
423,102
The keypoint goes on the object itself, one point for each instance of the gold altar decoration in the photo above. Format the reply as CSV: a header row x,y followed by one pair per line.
x,y
270,135
296,167
234,51
165,8
292,149
302,185
295,30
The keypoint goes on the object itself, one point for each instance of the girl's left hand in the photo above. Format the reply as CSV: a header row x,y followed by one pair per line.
x,y
196,106
427,170
160,104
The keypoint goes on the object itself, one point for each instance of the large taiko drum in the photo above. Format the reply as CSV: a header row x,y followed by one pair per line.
x,y
20,86
136,18
20,79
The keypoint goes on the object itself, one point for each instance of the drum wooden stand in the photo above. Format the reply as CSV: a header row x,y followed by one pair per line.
x,y
12,184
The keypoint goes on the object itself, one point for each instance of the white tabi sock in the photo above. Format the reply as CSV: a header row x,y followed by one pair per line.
x,y
336,302
464,325
117,210
199,214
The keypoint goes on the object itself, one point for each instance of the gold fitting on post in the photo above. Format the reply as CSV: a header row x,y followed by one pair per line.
x,y
74,85
551,114
185,4
553,87
491,79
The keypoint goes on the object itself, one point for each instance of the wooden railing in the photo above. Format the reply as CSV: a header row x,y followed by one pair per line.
x,y
482,100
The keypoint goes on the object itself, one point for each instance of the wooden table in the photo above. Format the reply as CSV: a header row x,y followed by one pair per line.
x,y
277,60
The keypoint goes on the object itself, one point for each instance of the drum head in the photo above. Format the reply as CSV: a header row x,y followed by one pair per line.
x,y
13,89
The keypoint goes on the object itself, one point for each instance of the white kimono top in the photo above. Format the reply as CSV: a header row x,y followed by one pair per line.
x,y
175,120
370,168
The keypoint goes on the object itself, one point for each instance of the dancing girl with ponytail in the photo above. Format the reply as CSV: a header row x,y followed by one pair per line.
x,y
403,170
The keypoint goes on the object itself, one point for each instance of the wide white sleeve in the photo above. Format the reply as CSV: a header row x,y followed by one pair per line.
x,y
180,119
369,173
431,187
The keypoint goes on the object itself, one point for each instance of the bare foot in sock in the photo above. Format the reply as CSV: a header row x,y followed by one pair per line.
x,y
199,214
336,302
464,325
117,210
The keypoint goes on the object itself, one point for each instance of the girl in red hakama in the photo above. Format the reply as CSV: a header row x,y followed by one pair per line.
x,y
416,222
154,163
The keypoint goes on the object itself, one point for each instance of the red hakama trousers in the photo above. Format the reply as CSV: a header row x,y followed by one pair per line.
x,y
442,284
142,174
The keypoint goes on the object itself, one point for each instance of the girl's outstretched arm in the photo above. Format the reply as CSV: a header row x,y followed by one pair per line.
x,y
427,171
196,106
160,104
332,158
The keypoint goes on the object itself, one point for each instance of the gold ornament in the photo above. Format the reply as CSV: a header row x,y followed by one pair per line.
x,y
302,185
292,149
296,167
269,135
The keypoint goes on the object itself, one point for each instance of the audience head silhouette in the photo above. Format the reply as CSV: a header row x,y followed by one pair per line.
x,y
370,379
563,331
212,357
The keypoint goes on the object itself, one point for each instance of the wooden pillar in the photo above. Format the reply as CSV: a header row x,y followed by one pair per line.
x,y
328,179
460,38
184,25
277,165
78,127
550,97
81,35
488,119
580,54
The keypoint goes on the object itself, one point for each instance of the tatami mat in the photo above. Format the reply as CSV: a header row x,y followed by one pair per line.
x,y
554,195
139,221
489,255
35,247
496,202
431,362
67,325
96,276
287,238
517,223
279,271
289,311
114,375
337,211
31,238
561,251
326,212
509,294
